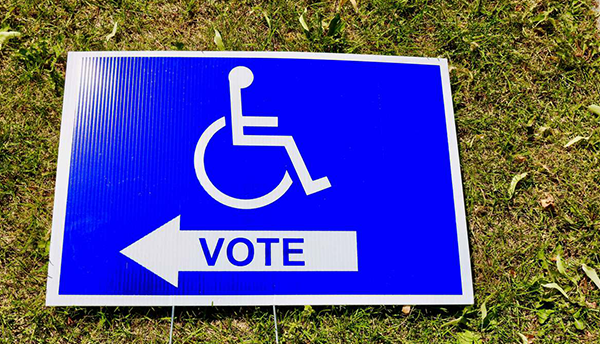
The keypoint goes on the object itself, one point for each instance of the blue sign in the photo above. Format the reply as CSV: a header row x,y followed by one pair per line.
x,y
255,179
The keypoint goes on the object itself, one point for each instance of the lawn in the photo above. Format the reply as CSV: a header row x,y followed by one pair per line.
x,y
523,74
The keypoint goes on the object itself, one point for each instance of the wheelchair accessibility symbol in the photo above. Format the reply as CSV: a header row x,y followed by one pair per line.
x,y
241,77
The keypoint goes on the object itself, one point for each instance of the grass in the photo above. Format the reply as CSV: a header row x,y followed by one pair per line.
x,y
517,67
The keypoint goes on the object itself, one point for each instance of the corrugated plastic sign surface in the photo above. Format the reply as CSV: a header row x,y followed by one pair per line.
x,y
257,178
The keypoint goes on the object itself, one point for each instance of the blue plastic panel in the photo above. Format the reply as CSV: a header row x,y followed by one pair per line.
x,y
381,130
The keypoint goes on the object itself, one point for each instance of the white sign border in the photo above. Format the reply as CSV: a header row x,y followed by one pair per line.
x,y
70,104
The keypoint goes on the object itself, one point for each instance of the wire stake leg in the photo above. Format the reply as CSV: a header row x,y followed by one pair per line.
x,y
171,331
275,318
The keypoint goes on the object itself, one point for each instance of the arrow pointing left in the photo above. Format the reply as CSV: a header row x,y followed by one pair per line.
x,y
168,250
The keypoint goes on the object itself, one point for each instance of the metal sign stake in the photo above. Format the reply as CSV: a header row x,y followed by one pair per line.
x,y
275,318
171,330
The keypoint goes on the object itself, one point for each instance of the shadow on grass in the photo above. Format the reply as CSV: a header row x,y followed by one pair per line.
x,y
215,313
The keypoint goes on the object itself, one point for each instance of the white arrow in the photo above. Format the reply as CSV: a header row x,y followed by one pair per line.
x,y
168,250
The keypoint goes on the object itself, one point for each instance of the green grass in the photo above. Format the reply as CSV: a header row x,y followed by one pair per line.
x,y
516,66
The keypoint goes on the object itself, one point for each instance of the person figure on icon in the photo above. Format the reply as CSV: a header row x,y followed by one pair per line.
x,y
241,77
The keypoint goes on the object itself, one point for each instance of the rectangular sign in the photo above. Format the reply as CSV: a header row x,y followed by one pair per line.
x,y
254,178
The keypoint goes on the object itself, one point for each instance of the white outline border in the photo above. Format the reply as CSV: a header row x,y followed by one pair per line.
x,y
70,105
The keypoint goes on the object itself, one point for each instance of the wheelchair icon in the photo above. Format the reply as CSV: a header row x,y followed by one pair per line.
x,y
241,77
